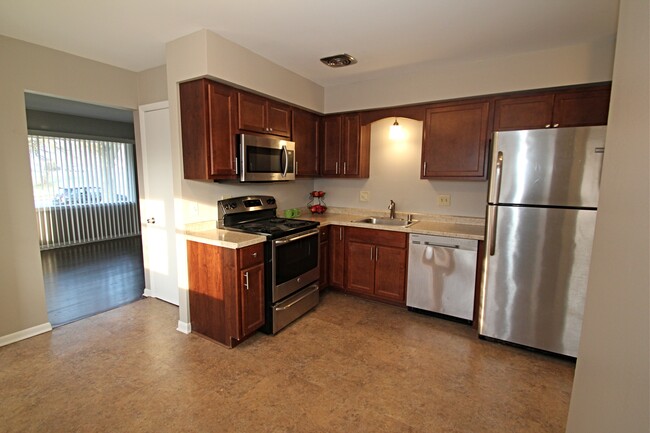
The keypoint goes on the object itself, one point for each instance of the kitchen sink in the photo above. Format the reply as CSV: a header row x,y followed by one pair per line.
x,y
400,222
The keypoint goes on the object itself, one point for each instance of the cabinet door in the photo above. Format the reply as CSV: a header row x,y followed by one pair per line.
x,y
278,119
324,265
252,299
208,130
337,256
222,131
331,146
390,273
455,141
524,112
350,147
252,113
360,264
305,135
581,108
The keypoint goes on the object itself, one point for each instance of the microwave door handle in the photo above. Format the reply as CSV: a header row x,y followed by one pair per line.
x,y
286,160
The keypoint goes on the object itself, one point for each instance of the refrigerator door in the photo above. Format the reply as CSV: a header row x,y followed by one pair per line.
x,y
547,167
536,276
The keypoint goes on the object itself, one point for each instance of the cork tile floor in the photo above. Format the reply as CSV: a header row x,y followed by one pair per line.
x,y
349,366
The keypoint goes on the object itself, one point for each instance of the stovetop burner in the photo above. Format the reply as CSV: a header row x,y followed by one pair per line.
x,y
275,226
256,214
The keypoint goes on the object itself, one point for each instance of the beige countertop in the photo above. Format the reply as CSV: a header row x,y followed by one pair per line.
x,y
207,232
438,225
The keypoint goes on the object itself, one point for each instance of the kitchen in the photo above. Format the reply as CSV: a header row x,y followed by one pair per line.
x,y
448,85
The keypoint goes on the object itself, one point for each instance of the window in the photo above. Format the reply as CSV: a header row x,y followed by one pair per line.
x,y
84,190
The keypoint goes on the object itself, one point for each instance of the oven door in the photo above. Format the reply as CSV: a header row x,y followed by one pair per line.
x,y
294,262
266,159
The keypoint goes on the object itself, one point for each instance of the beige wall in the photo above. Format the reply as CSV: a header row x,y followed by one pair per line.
x,y
30,67
388,174
152,85
576,64
612,381
395,175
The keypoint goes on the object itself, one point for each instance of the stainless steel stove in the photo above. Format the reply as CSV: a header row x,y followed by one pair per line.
x,y
291,265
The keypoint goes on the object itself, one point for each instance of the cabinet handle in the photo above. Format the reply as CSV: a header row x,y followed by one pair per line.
x,y
376,254
345,167
424,169
371,253
254,254
246,280
270,129
337,167
555,125
295,165
236,165
340,233
547,125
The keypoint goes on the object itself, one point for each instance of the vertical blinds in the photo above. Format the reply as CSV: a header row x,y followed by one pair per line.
x,y
84,190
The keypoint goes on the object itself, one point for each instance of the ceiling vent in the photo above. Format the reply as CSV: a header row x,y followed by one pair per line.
x,y
339,60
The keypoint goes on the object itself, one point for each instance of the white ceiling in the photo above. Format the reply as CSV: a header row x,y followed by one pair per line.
x,y
383,35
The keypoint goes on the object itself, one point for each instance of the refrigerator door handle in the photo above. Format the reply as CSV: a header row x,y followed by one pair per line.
x,y
497,176
491,233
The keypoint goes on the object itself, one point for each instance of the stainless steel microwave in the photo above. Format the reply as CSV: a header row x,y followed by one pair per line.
x,y
263,158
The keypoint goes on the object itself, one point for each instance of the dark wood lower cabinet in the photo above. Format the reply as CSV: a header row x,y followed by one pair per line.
x,y
375,264
337,256
323,258
226,291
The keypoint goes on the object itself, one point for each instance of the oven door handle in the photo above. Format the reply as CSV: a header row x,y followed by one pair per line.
x,y
295,238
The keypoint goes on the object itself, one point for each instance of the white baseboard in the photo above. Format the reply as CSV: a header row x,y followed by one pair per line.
x,y
184,327
25,333
148,293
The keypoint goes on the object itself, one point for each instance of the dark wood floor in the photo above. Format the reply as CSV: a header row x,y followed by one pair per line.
x,y
84,280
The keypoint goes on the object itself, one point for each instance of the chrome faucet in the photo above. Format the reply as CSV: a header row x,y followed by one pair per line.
x,y
391,208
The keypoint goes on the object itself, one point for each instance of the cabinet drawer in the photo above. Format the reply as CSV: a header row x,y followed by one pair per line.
x,y
377,237
251,256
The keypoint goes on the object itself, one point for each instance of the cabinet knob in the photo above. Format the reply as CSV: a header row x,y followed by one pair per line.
x,y
254,254
555,125
547,126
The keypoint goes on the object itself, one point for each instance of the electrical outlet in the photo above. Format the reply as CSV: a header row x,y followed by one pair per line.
x,y
444,200
364,195
194,208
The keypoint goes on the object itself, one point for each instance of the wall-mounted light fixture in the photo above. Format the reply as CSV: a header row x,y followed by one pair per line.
x,y
396,132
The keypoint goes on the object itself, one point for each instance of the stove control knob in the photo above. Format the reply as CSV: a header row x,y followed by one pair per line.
x,y
233,205
270,201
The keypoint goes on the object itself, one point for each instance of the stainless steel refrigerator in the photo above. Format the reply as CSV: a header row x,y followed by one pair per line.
x,y
541,215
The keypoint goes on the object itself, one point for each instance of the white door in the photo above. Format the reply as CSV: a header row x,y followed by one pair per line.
x,y
157,204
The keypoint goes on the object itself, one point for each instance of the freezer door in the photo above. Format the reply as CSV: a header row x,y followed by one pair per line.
x,y
547,167
533,289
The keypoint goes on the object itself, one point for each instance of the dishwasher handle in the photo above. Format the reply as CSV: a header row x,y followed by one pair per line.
x,y
431,244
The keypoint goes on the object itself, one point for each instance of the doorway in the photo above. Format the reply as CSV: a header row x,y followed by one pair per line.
x,y
86,201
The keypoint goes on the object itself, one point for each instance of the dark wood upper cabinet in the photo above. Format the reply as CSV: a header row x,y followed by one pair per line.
x,y
208,130
523,112
455,141
582,108
553,109
345,146
305,135
258,114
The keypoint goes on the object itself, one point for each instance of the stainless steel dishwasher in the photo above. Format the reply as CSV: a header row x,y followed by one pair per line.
x,y
441,275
